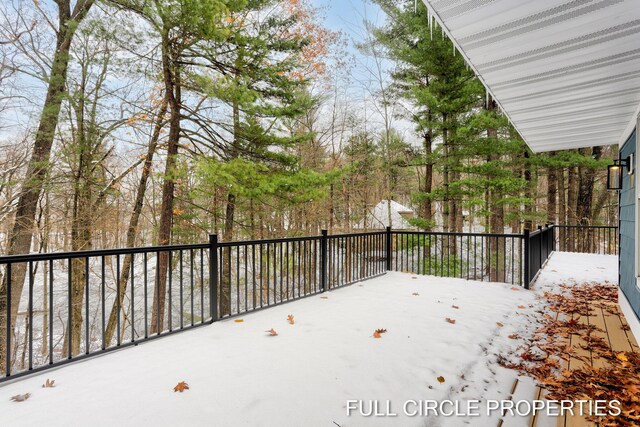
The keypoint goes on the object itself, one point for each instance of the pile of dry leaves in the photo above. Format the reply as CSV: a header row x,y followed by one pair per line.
x,y
618,374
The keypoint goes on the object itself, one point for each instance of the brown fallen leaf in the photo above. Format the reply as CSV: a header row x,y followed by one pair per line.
x,y
440,379
378,333
290,319
21,397
515,289
500,324
324,297
181,386
49,383
452,321
521,306
513,337
455,306
239,320
272,332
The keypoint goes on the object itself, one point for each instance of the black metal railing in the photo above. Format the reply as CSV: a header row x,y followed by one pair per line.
x,y
592,239
471,256
539,245
78,304
75,304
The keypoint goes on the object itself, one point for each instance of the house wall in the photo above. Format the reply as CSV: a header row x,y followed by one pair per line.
x,y
628,242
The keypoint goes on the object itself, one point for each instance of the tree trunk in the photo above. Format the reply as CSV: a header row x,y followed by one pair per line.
x,y
528,193
427,209
496,219
227,236
584,206
562,197
552,193
173,92
132,230
21,234
572,195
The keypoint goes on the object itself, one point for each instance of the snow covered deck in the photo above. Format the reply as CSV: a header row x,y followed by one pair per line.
x,y
238,375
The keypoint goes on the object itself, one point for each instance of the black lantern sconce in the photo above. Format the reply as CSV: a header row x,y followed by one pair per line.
x,y
614,172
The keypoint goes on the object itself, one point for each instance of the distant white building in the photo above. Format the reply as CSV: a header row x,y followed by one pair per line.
x,y
378,217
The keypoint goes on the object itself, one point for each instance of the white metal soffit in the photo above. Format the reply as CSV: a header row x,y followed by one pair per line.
x,y
566,73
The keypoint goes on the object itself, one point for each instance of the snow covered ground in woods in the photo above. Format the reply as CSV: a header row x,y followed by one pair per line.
x,y
238,375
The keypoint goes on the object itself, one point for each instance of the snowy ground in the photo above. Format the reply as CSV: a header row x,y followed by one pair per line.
x,y
574,268
238,375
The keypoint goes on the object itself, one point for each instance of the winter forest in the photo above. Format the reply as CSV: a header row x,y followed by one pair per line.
x,y
134,122
128,123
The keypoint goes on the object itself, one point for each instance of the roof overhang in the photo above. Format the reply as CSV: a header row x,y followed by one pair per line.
x,y
566,73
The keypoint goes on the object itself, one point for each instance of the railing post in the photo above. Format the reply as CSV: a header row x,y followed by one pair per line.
x,y
213,276
388,244
323,261
540,246
526,275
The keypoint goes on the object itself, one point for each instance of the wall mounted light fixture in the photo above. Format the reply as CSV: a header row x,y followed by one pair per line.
x,y
614,172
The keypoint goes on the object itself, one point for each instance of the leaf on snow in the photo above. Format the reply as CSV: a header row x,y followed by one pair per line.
x,y
455,306
21,397
500,324
521,306
181,386
49,383
440,379
452,321
290,319
378,333
415,294
239,320
272,332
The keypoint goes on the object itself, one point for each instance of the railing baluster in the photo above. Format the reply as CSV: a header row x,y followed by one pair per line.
x,y
69,308
51,312
86,305
146,310
253,275
133,304
181,296
191,283
102,299
7,369
118,307
170,310
30,309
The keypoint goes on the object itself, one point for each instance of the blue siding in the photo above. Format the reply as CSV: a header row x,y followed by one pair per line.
x,y
627,231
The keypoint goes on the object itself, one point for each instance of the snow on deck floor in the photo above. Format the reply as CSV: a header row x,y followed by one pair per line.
x,y
574,268
239,376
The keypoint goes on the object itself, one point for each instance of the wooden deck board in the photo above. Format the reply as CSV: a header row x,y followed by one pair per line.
x,y
597,319
610,327
632,340
617,335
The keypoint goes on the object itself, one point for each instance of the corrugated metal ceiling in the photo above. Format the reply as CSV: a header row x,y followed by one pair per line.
x,y
567,73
